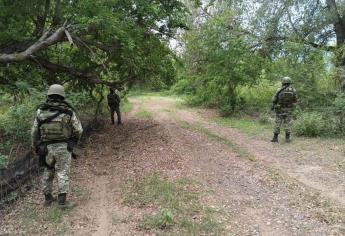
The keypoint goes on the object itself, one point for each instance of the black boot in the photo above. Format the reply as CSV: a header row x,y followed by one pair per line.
x,y
287,137
63,203
275,138
49,199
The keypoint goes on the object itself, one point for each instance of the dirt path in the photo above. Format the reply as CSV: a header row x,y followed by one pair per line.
x,y
255,188
308,168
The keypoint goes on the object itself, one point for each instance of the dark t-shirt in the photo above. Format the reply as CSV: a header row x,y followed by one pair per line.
x,y
113,100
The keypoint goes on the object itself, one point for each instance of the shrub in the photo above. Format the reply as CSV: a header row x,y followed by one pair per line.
x,y
184,86
16,122
3,161
311,124
338,109
265,118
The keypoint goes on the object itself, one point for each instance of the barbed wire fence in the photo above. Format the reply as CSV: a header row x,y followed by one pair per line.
x,y
16,175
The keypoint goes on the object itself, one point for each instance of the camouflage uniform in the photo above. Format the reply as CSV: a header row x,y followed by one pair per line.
x,y
283,116
58,156
284,110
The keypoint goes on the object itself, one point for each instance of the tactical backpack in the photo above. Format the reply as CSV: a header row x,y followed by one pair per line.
x,y
54,123
286,97
113,100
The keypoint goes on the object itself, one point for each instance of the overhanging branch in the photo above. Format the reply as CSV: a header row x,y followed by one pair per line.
x,y
273,39
45,41
83,76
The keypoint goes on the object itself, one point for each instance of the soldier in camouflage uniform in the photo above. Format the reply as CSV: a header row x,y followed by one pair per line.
x,y
114,106
284,102
55,129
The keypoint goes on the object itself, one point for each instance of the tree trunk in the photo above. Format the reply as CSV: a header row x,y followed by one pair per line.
x,y
338,21
339,28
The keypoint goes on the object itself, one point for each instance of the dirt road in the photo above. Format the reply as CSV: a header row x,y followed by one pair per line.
x,y
255,187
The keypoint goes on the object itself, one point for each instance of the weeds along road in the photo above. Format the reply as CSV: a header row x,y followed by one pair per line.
x,y
172,170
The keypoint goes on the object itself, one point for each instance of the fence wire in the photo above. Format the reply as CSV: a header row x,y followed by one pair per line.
x,y
17,173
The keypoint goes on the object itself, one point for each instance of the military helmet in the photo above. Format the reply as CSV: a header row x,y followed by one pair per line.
x,y
56,89
286,80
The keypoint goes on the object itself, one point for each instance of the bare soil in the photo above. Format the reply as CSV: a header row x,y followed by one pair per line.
x,y
259,188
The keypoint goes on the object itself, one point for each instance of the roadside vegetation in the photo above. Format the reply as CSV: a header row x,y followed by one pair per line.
x,y
234,61
175,206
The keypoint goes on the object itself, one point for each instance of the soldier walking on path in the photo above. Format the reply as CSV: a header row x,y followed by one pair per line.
x,y
284,102
114,106
56,128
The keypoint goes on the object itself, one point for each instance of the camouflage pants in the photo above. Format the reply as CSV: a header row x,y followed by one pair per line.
x,y
60,158
285,119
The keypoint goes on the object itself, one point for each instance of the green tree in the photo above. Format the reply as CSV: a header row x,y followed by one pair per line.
x,y
89,42
218,52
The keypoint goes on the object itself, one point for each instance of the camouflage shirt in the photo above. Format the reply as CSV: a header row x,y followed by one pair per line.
x,y
74,123
275,99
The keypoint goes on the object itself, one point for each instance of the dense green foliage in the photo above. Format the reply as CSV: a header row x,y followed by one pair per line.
x,y
87,46
115,42
235,55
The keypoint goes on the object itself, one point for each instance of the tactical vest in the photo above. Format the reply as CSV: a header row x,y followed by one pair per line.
x,y
54,122
287,97
113,100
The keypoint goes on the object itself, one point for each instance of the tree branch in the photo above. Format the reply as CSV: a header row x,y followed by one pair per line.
x,y
83,76
40,22
293,40
57,14
44,42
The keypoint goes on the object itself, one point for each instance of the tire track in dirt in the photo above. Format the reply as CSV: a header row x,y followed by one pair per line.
x,y
324,177
327,180
104,224
264,214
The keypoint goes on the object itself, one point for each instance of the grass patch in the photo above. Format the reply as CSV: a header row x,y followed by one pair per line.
x,y
213,136
237,149
179,209
154,188
3,161
126,107
32,219
147,93
249,126
184,124
142,113
162,220
55,215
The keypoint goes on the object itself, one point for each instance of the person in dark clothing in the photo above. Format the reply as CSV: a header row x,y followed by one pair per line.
x,y
114,106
